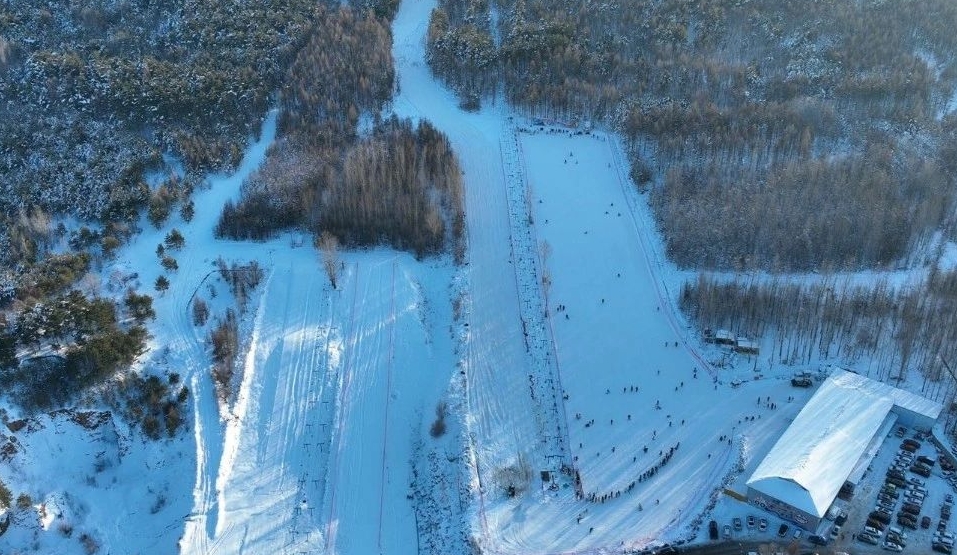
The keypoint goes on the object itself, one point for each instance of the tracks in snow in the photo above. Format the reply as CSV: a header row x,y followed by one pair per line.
x,y
369,353
652,262
343,381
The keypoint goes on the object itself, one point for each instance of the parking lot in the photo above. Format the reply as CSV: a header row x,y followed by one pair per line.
x,y
903,503
758,527
905,499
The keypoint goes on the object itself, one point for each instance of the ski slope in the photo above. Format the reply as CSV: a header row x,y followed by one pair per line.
x,y
599,347
622,351
316,458
503,425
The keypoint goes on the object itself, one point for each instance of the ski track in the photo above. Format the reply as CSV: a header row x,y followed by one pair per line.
x,y
344,382
388,397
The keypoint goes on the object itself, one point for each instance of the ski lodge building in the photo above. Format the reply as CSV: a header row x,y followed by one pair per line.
x,y
831,442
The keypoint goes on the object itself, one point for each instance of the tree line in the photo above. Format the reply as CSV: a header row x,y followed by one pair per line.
x,y
865,211
897,330
402,187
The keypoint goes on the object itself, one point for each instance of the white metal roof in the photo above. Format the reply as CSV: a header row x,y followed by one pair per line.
x,y
810,462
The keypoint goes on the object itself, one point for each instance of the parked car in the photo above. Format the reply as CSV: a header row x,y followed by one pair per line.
x,y
922,470
877,515
907,516
713,530
763,524
891,546
841,518
817,540
925,522
868,538
783,530
726,531
911,508
926,460
907,523
835,531
899,540
941,548
797,534
871,530
876,525
737,523
750,521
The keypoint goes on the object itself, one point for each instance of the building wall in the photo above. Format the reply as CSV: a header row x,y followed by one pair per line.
x,y
912,419
783,510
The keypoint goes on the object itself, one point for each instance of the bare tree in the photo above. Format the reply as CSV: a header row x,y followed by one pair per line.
x,y
328,245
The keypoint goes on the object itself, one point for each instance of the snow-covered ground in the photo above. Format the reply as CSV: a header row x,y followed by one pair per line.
x,y
316,455
593,377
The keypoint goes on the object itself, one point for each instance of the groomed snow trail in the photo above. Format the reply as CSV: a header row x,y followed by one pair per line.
x,y
271,478
313,456
504,426
316,456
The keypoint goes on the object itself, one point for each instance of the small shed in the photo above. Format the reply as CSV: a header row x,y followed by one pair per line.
x,y
724,337
746,346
